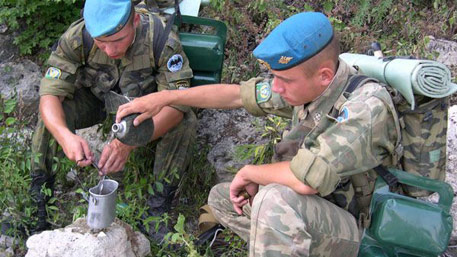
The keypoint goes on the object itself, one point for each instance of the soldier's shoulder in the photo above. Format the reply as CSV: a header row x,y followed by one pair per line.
x,y
369,90
73,35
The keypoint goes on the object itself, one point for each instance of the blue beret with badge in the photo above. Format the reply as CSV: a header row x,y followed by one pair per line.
x,y
106,17
295,40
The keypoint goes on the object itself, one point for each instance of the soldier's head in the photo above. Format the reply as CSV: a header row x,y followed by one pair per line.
x,y
302,53
112,24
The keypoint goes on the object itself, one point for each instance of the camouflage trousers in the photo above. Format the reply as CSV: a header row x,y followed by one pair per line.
x,y
172,151
281,222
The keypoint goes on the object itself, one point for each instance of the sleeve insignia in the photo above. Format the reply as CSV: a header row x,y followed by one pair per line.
x,y
344,115
175,63
182,84
53,73
263,92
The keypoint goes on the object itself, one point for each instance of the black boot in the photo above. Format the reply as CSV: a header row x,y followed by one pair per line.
x,y
38,180
159,204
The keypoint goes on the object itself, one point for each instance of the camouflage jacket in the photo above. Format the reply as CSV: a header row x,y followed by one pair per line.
x,y
334,137
133,75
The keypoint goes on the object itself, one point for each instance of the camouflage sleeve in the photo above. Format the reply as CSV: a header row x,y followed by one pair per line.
x,y
63,63
259,100
174,70
359,139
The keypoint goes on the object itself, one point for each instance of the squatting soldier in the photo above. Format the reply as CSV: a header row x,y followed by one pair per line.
x,y
313,196
120,59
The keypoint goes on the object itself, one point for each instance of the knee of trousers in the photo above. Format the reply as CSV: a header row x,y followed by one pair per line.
x,y
219,195
273,200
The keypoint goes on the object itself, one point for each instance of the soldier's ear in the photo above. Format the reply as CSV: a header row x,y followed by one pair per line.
x,y
326,75
136,19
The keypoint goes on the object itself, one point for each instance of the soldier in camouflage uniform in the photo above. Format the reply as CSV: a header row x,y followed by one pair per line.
x,y
75,85
311,199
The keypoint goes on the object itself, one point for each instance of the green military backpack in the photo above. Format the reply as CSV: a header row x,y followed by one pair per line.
x,y
422,148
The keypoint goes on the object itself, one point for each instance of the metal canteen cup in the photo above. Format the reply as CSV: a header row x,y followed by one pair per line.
x,y
102,205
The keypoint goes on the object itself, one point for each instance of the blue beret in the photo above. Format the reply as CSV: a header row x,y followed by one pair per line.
x,y
295,40
106,17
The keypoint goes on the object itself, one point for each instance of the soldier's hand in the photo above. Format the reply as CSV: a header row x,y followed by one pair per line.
x,y
77,150
148,106
242,192
114,156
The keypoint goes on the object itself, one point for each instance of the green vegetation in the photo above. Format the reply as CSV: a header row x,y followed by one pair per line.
x,y
402,27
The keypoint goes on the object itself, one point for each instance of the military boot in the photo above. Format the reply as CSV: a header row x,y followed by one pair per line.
x,y
40,199
159,204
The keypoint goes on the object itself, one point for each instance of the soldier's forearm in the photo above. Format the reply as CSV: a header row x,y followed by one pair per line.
x,y
165,120
53,116
279,173
220,96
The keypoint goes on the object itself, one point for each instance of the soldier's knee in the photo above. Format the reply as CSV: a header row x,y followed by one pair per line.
x,y
217,194
274,194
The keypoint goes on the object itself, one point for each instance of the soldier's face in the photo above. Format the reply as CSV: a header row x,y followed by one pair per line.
x,y
295,87
116,45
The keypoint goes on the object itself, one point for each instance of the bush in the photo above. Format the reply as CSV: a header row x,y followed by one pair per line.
x,y
40,22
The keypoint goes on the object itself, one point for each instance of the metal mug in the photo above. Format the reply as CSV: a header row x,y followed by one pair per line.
x,y
102,205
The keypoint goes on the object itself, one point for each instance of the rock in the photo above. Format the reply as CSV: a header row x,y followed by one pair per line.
x,y
9,252
76,240
94,138
21,80
8,51
451,174
447,50
6,241
223,131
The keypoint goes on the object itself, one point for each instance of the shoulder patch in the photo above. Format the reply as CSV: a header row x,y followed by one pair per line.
x,y
262,92
175,63
53,73
344,115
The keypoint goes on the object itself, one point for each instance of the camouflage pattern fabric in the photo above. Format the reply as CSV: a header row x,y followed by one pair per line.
x,y
284,223
424,135
333,144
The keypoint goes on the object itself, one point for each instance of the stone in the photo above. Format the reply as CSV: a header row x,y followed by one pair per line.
x,y
76,240
447,50
21,80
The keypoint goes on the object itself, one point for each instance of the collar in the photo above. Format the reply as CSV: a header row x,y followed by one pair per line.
x,y
134,46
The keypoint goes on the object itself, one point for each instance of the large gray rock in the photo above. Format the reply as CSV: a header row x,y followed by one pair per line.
x,y
76,240
447,50
21,80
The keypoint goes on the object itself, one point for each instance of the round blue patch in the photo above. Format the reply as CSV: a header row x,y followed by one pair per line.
x,y
175,62
344,115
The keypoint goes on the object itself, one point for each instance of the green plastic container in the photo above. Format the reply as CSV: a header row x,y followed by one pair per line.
x,y
205,51
403,226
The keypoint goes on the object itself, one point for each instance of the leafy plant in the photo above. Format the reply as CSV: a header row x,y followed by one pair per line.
x,y
40,21
262,153
15,160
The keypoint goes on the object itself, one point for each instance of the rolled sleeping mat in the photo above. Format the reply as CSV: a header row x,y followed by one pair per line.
x,y
408,76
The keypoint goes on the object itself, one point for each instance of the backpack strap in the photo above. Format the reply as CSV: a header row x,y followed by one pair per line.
x,y
161,34
88,43
356,81
390,178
